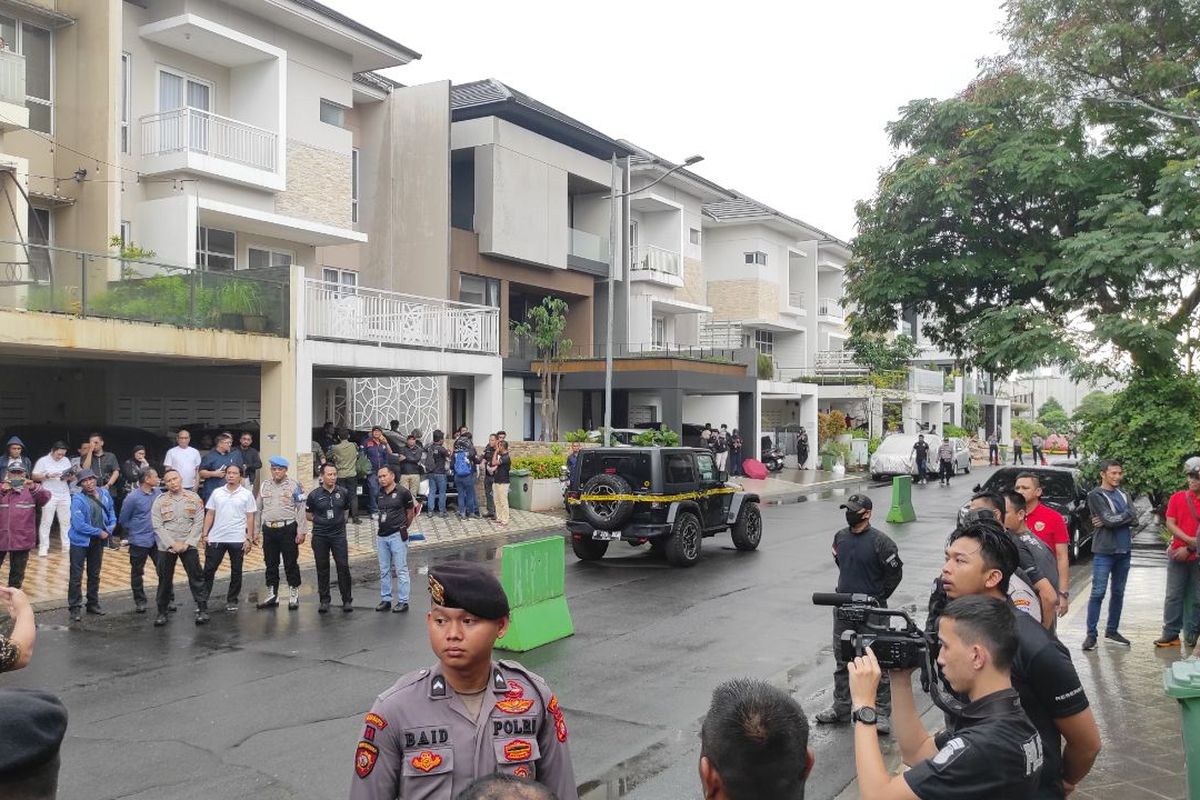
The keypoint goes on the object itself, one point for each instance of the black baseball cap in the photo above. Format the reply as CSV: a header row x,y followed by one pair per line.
x,y
858,502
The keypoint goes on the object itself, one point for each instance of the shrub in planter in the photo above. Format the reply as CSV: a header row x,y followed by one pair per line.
x,y
540,466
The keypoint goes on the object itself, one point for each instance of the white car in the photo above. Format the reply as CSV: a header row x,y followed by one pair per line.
x,y
895,456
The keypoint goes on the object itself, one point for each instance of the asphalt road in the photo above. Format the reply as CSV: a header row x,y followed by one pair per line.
x,y
268,705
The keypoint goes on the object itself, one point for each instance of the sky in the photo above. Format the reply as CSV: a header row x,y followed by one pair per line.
x,y
786,101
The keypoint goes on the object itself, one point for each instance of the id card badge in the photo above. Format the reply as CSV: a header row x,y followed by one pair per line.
x,y
329,513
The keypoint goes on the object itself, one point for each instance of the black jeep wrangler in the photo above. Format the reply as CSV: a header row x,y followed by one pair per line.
x,y
667,497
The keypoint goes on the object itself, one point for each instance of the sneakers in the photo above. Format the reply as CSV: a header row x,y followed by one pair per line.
x,y
1189,642
831,716
293,598
323,608
139,608
76,615
271,600
1167,641
1113,636
231,608
202,616
1089,642
347,607
384,605
400,608
160,620
97,610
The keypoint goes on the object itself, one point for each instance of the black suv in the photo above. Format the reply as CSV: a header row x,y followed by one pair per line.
x,y
1063,489
667,497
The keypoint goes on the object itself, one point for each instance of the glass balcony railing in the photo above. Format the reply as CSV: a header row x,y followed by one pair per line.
x,y
583,244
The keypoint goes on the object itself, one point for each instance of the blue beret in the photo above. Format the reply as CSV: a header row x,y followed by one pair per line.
x,y
469,586
279,461
32,726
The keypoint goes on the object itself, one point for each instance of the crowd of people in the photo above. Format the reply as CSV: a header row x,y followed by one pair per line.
x,y
1018,721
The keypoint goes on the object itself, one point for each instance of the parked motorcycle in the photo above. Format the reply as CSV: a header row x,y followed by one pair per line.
x,y
773,460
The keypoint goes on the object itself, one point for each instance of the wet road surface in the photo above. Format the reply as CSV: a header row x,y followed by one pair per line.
x,y
268,704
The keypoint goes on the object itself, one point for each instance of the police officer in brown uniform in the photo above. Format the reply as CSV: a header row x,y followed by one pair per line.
x,y
438,729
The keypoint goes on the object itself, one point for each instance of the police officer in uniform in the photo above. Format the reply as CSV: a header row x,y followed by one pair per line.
x,y
437,729
868,563
991,751
326,509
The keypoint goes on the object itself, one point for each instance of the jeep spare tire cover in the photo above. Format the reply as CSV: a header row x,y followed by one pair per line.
x,y
606,515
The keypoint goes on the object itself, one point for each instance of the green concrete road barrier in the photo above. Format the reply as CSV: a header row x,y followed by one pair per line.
x,y
902,508
533,575
1181,680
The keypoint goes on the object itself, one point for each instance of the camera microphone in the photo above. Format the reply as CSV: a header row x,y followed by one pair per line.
x,y
842,599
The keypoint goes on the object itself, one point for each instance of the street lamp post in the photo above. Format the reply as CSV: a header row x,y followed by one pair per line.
x,y
615,195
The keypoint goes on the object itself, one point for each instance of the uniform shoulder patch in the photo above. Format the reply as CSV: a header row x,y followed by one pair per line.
x,y
365,759
949,753
560,724
376,720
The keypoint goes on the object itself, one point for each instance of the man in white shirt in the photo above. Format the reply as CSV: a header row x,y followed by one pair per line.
x,y
54,472
184,459
228,528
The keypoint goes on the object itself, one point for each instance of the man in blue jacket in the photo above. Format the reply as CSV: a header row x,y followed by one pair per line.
x,y
92,522
139,530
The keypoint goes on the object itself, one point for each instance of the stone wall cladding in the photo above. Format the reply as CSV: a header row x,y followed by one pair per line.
x,y
524,449
694,290
318,185
768,300
742,300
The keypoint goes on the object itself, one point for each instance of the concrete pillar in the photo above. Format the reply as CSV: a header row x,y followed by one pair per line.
x,y
808,418
908,420
875,414
278,412
672,411
750,417
300,398
487,404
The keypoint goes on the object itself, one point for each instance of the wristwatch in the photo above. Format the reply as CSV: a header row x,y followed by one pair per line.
x,y
1064,595
866,715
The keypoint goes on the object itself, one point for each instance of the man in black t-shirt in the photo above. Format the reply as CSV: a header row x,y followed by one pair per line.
x,y
921,449
326,509
992,751
980,559
868,563
395,509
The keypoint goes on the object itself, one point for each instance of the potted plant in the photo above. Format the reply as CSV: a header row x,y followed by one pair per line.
x,y
239,305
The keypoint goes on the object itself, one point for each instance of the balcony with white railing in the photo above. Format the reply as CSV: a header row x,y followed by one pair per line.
x,y
838,362
796,300
192,140
13,113
830,310
374,316
657,264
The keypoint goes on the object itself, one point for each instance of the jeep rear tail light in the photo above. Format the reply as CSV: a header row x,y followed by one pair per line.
x,y
610,470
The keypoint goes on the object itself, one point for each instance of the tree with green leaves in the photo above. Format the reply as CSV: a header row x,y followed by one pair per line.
x,y
972,414
1053,417
881,353
1094,406
544,327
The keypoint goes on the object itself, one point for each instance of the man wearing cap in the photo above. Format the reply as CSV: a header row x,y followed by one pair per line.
x,y
32,726
178,519
868,563
19,501
438,729
92,522
280,511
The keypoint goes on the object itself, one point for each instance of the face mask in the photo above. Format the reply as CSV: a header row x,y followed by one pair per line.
x,y
853,517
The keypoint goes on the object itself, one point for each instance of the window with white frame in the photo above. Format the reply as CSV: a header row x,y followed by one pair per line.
x,y
764,342
332,113
694,235
126,233
354,162
345,280
36,44
262,258
757,257
126,64
39,234
658,332
215,249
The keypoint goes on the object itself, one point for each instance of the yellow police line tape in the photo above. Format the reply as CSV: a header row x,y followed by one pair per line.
x,y
649,498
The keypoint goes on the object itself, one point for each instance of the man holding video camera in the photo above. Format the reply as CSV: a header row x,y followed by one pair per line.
x,y
980,559
992,751
869,564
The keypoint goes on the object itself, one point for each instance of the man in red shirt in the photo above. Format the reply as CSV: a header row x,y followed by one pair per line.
x,y
1183,518
1049,526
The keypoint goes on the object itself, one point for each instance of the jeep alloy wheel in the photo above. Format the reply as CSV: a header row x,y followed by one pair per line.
x,y
683,548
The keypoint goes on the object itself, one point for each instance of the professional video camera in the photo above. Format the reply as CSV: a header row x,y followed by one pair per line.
x,y
895,647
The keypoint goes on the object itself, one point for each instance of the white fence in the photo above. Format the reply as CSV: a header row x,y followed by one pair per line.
x,y
12,77
657,259
371,315
190,129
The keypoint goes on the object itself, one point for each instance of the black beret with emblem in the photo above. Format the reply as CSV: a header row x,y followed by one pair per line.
x,y
469,586
32,726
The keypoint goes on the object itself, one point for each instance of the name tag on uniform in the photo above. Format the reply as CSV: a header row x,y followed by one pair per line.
x,y
329,513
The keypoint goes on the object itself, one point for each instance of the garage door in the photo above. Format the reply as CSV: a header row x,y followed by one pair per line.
x,y
168,413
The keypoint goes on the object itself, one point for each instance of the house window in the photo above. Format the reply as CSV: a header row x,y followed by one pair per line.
x,y
36,45
694,235
332,113
479,290
658,332
215,249
764,342
354,162
39,234
757,257
125,101
346,279
260,258
126,232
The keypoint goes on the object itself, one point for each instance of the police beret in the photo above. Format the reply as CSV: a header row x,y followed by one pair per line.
x,y
469,586
32,726
279,461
